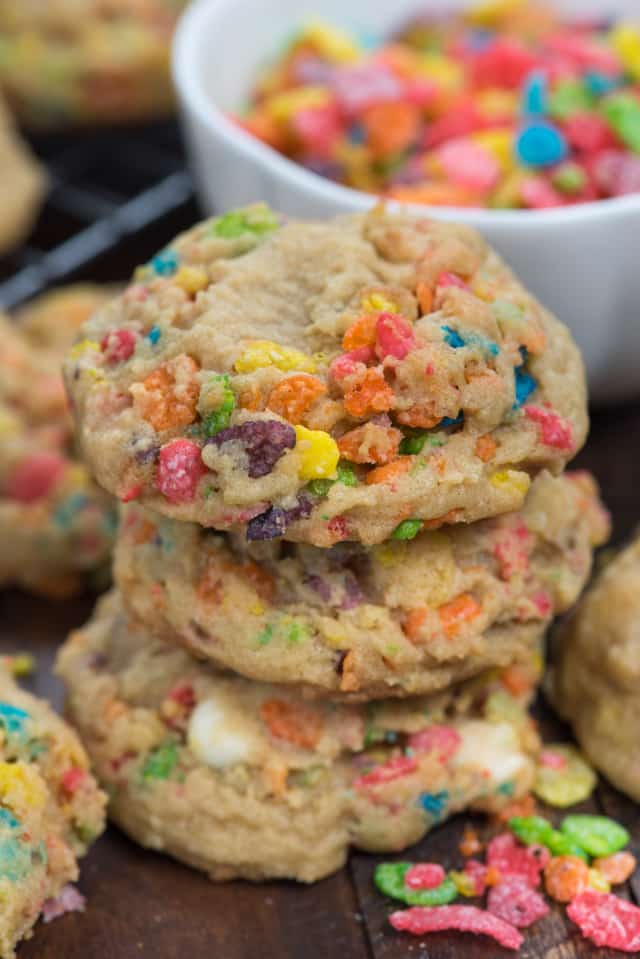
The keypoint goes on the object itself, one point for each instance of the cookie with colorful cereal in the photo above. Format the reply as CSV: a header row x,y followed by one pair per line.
x,y
404,617
52,320
56,526
51,809
595,681
243,779
24,184
326,381
87,61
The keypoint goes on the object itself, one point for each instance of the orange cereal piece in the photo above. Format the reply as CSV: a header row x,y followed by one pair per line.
x,y
390,126
371,394
485,447
349,682
527,806
251,399
263,583
565,877
370,444
436,193
470,844
420,416
168,397
390,472
361,333
425,298
413,623
294,396
209,588
515,679
296,724
453,516
616,868
457,612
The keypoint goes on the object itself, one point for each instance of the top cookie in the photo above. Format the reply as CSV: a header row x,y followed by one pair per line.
x,y
358,378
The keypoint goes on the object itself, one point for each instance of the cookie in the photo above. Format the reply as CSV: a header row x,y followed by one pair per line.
x,y
389,620
51,809
52,320
595,682
87,61
56,526
247,780
354,379
24,184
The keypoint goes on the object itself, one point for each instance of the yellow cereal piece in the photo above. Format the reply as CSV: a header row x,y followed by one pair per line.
x,y
319,454
511,479
447,73
191,279
378,303
84,346
508,194
257,609
496,102
598,882
22,664
499,143
333,636
489,12
284,105
142,273
21,787
263,353
330,43
625,40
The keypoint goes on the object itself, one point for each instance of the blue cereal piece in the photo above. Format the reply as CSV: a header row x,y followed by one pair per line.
x,y
599,84
154,335
540,144
453,338
8,819
525,385
165,263
435,804
534,95
12,718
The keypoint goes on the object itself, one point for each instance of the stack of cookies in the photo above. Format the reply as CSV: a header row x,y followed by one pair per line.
x,y
345,530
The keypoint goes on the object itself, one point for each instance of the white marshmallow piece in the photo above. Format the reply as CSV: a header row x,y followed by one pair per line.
x,y
217,737
493,747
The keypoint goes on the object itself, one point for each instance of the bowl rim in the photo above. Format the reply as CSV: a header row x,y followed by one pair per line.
x,y
190,34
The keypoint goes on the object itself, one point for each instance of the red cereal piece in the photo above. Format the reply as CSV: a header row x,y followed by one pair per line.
x,y
394,336
538,194
588,132
443,740
511,859
450,279
465,118
34,477
504,63
180,467
477,872
424,875
606,920
554,430
422,919
516,902
72,779
339,528
317,129
132,493
118,345
394,768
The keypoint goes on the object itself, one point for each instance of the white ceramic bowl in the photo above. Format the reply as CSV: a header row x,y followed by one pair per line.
x,y
583,261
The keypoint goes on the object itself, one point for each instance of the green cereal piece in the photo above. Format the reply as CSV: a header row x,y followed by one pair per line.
x,y
389,879
568,98
408,529
598,835
345,474
265,637
257,220
561,845
296,632
161,762
535,830
622,113
218,419
414,444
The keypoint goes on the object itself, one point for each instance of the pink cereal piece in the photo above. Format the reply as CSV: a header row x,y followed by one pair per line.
x,y
516,902
132,493
394,336
554,430
606,920
317,128
469,165
477,872
67,900
443,740
552,760
588,132
542,602
538,194
34,477
424,875
338,527
394,768
422,919
118,345
180,467
511,859
72,779
348,363
450,279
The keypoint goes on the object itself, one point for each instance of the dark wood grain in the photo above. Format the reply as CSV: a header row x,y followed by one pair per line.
x,y
143,906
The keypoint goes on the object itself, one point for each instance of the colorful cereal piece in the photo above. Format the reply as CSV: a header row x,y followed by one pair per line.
x,y
34,477
565,877
294,396
319,454
180,468
511,859
118,346
516,902
391,879
565,780
445,741
606,920
425,875
421,920
262,442
616,867
598,835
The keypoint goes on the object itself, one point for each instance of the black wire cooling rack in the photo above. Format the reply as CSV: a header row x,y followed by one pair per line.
x,y
116,197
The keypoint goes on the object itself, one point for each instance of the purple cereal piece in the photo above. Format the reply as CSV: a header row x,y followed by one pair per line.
x,y
320,586
353,594
263,441
274,522
67,900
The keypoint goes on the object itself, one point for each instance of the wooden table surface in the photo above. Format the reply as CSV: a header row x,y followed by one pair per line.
x,y
144,906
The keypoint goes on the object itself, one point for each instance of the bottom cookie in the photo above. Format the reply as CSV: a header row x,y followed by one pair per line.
x,y
50,810
242,779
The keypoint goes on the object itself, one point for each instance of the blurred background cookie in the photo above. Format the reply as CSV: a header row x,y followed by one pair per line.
x,y
23,186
